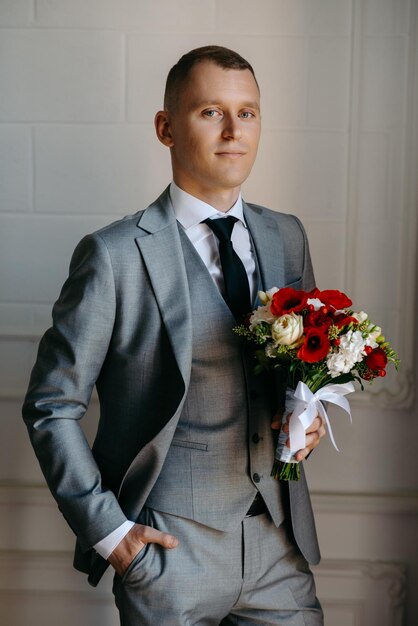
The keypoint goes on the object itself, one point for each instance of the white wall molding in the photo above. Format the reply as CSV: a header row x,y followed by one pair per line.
x,y
362,592
374,503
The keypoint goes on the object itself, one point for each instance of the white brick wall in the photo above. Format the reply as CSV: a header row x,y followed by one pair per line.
x,y
16,12
162,16
16,169
287,17
80,82
97,169
60,75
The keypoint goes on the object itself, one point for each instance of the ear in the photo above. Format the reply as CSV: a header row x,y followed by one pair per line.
x,y
163,128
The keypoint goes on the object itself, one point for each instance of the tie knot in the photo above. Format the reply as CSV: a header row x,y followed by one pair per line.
x,y
222,227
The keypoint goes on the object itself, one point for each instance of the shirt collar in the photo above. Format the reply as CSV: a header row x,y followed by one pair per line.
x,y
190,211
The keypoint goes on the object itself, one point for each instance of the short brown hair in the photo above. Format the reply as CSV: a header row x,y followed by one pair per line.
x,y
223,57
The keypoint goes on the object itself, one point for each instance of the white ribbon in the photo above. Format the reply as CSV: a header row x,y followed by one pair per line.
x,y
308,405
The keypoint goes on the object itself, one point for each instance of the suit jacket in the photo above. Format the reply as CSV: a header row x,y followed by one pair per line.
x,y
123,323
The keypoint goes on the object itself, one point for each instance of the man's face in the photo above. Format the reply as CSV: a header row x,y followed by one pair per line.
x,y
214,131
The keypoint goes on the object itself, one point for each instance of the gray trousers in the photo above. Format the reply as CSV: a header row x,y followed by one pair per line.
x,y
254,575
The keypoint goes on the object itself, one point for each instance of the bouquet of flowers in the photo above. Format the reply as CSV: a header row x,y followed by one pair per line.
x,y
322,346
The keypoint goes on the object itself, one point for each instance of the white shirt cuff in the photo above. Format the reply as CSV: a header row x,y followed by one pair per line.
x,y
106,546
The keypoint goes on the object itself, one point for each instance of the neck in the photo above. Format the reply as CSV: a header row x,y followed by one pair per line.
x,y
221,200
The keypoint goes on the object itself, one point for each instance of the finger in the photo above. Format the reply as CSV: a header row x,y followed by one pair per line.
x,y
321,432
312,440
316,425
285,425
276,420
152,535
285,428
302,454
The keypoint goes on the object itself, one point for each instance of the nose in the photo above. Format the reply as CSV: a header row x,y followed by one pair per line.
x,y
232,128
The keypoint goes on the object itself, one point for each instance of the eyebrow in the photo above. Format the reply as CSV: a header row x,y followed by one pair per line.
x,y
204,103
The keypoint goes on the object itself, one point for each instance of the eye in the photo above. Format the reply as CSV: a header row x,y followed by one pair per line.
x,y
211,113
246,115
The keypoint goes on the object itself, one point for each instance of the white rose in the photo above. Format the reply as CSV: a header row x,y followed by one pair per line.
x,y
287,330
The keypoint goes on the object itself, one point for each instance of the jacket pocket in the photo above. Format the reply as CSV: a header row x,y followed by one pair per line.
x,y
184,443
296,284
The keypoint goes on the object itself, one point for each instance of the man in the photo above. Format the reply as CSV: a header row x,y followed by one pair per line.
x,y
176,493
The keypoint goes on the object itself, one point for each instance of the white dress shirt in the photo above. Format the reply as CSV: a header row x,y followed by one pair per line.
x,y
190,212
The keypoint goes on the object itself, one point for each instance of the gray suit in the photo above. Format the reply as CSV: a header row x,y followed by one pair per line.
x,y
123,321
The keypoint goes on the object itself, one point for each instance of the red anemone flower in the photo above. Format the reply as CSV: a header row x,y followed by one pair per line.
x,y
334,298
288,300
317,319
315,347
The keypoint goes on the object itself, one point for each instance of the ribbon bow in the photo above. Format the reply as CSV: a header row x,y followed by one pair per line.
x,y
308,405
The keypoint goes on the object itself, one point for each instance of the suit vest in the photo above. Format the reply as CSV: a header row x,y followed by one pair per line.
x,y
222,451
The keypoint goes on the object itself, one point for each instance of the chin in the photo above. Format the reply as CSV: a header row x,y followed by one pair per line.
x,y
233,179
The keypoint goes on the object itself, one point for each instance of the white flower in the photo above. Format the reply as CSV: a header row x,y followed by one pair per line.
x,y
265,297
315,302
338,363
372,337
353,344
373,332
270,351
261,314
287,329
361,316
350,351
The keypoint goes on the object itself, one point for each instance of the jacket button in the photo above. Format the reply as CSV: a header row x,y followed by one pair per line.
x,y
256,438
256,478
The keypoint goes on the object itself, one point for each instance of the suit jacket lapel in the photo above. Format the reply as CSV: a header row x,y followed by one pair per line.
x,y
160,247
268,244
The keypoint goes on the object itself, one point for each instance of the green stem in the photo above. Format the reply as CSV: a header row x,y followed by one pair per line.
x,y
285,471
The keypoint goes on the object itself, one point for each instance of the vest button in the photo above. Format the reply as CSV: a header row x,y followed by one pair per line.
x,y
256,477
256,438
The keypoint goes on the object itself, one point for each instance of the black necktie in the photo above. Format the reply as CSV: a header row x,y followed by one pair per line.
x,y
237,291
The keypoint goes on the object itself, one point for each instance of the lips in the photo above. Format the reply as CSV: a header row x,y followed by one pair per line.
x,y
230,153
